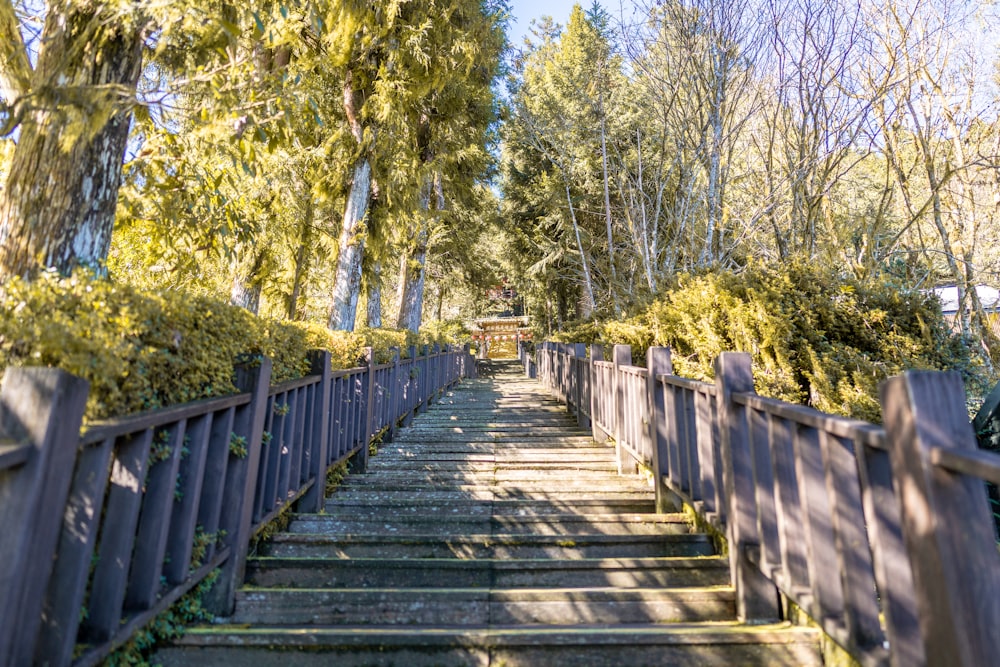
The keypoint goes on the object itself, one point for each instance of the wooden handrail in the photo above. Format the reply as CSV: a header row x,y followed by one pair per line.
x,y
141,508
882,535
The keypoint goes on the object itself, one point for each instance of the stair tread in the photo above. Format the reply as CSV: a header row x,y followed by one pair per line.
x,y
492,531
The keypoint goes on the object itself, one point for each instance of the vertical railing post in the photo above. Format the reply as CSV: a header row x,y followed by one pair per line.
x,y
436,373
410,384
319,433
579,368
359,462
468,363
946,522
756,596
596,354
40,414
395,395
658,363
241,483
626,463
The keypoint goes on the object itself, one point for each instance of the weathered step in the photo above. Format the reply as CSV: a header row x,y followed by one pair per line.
x,y
679,645
481,463
533,480
499,472
412,504
514,524
433,450
568,497
472,422
526,573
309,545
482,606
599,487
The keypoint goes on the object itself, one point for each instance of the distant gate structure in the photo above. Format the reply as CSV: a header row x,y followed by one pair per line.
x,y
497,337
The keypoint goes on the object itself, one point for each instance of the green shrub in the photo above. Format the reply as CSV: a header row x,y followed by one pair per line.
x,y
142,350
815,338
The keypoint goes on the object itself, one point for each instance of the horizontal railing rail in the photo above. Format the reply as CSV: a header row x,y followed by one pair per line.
x,y
882,536
139,510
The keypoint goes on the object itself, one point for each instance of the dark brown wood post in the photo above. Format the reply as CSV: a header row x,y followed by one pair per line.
x,y
395,395
319,433
622,357
580,370
468,363
40,414
241,482
437,373
947,526
410,387
756,596
658,363
359,462
596,354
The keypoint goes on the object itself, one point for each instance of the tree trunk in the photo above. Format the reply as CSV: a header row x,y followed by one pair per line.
x,y
302,256
374,296
246,287
347,279
58,207
607,205
412,277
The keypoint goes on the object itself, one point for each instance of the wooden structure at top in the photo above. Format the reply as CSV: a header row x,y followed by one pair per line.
x,y
498,337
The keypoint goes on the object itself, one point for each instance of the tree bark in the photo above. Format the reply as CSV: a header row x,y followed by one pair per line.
x,y
58,207
374,295
302,257
412,277
246,287
347,279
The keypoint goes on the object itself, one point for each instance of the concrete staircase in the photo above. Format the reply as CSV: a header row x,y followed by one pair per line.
x,y
491,532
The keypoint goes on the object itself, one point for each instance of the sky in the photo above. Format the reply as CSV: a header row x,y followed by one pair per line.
x,y
525,10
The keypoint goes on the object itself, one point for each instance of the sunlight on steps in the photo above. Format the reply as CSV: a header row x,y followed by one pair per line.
x,y
494,531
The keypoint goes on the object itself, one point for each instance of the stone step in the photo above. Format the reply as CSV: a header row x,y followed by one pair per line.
x,y
503,478
522,573
457,524
679,645
489,462
402,504
552,484
310,545
482,606
566,496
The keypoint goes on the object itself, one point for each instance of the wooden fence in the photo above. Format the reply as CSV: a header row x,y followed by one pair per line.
x,y
102,532
883,536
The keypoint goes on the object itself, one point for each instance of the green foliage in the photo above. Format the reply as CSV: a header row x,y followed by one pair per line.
x,y
815,337
445,332
334,476
381,340
165,627
142,350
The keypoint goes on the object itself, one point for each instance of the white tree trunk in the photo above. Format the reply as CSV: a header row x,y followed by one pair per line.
x,y
57,209
412,277
374,297
347,279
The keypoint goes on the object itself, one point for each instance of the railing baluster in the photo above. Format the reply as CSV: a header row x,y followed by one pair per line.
x,y
114,554
947,525
191,478
853,555
828,598
756,597
788,512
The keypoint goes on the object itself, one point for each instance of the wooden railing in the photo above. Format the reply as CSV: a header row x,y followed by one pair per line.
x,y
882,536
104,531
